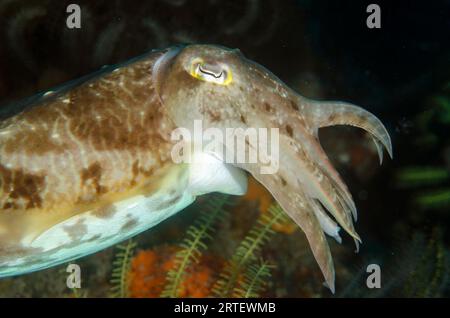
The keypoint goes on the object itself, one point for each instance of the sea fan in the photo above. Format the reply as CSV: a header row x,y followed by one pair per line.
x,y
255,280
194,244
121,269
247,252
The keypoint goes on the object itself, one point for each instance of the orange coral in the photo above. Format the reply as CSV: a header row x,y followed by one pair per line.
x,y
198,282
256,192
149,269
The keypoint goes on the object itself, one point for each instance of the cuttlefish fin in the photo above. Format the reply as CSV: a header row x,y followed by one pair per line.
x,y
323,114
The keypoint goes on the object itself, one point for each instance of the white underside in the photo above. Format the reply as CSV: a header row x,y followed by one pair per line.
x,y
132,216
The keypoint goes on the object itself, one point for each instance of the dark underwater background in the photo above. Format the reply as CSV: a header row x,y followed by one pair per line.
x,y
322,49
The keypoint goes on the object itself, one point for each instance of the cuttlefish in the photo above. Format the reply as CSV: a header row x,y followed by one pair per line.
x,y
90,164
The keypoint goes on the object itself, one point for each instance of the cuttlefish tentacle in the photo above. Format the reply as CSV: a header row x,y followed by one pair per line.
x,y
318,177
323,114
318,185
331,191
304,136
295,203
322,160
323,181
304,195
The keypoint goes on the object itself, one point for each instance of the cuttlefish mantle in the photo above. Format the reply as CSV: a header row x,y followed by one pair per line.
x,y
90,164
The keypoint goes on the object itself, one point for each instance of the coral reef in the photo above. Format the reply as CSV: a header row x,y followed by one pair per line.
x,y
150,268
194,244
186,271
231,279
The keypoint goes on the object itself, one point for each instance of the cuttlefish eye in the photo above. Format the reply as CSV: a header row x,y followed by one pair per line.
x,y
213,73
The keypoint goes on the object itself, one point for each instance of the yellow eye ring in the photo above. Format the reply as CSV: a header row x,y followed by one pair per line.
x,y
216,74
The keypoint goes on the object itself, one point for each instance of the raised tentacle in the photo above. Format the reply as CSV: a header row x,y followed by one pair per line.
x,y
324,114
379,147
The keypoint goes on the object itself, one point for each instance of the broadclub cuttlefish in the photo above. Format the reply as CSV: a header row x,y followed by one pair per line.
x,y
89,164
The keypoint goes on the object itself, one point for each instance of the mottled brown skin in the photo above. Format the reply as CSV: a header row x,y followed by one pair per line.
x,y
73,150
93,120
110,138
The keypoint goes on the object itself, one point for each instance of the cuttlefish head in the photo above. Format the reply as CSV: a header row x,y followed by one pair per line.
x,y
217,85
223,89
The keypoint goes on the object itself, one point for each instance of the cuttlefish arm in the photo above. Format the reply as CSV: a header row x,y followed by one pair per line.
x,y
307,194
329,113
301,210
